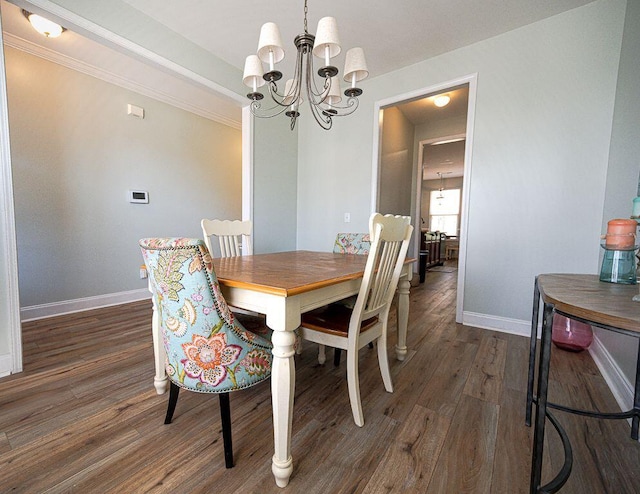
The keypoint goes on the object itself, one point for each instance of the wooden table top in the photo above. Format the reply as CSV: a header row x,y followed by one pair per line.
x,y
586,297
288,273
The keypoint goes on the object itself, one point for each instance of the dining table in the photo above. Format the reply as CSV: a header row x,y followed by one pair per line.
x,y
283,286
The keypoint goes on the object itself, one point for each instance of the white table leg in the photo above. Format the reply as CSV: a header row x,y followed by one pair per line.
x,y
282,391
403,317
160,380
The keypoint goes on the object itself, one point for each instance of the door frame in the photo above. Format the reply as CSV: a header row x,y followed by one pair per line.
x,y
10,301
380,105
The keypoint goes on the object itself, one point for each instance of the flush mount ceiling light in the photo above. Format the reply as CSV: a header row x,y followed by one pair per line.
x,y
440,194
44,26
441,100
323,95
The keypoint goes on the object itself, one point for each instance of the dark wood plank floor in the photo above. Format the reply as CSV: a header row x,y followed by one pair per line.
x,y
84,417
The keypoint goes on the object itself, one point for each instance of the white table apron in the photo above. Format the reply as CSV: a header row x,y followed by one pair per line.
x,y
283,316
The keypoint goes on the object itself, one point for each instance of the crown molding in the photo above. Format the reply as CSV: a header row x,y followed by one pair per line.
x,y
116,79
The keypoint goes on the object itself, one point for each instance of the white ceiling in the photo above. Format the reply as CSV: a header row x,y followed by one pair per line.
x,y
392,34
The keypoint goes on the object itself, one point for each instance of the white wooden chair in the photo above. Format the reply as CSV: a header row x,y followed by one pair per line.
x,y
339,326
233,236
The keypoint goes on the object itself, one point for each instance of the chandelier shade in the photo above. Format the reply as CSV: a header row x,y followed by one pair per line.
x,y
327,42
321,88
270,48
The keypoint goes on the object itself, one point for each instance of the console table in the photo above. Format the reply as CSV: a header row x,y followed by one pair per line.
x,y
586,299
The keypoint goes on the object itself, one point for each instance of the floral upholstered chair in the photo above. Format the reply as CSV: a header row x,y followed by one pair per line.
x,y
352,243
207,349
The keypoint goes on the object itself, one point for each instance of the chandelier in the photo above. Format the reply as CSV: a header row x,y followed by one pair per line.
x,y
322,94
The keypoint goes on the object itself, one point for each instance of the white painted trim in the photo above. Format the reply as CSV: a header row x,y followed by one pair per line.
x,y
113,78
9,259
81,304
378,117
496,323
618,383
471,80
84,26
247,167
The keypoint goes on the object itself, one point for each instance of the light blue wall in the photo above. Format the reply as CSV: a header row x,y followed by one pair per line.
x,y
624,163
396,164
274,189
76,154
544,109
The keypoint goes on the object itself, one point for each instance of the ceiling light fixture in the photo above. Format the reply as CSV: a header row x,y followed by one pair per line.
x,y
440,194
441,100
323,100
44,26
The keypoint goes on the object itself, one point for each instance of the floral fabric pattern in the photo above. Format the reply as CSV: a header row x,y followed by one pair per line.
x,y
209,358
352,243
208,349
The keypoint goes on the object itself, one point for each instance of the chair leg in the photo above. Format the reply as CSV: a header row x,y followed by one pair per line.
x,y
336,357
174,390
383,362
322,356
353,382
225,414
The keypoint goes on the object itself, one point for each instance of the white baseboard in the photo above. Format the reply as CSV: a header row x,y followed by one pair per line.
x,y
80,304
5,365
495,323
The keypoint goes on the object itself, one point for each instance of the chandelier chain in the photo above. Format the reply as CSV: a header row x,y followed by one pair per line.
x,y
306,11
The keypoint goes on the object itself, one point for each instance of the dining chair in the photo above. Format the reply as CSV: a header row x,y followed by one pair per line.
x,y
346,243
207,349
233,236
338,326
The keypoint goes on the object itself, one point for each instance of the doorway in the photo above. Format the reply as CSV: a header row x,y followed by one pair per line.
x,y
401,192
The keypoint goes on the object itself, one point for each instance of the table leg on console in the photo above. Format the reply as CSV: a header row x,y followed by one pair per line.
x,y
541,405
532,350
404,286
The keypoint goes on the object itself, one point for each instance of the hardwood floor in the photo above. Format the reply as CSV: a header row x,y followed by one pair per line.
x,y
84,417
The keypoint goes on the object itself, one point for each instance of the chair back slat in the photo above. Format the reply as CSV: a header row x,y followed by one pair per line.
x,y
390,236
234,237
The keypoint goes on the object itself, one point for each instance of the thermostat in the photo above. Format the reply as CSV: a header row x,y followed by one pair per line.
x,y
139,196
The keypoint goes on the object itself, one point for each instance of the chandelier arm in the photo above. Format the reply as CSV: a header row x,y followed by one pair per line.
x,y
350,107
274,111
322,118
312,88
273,92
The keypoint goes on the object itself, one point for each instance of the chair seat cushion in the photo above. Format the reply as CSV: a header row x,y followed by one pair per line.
x,y
333,319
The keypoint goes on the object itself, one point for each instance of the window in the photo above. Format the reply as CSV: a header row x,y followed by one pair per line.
x,y
444,211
